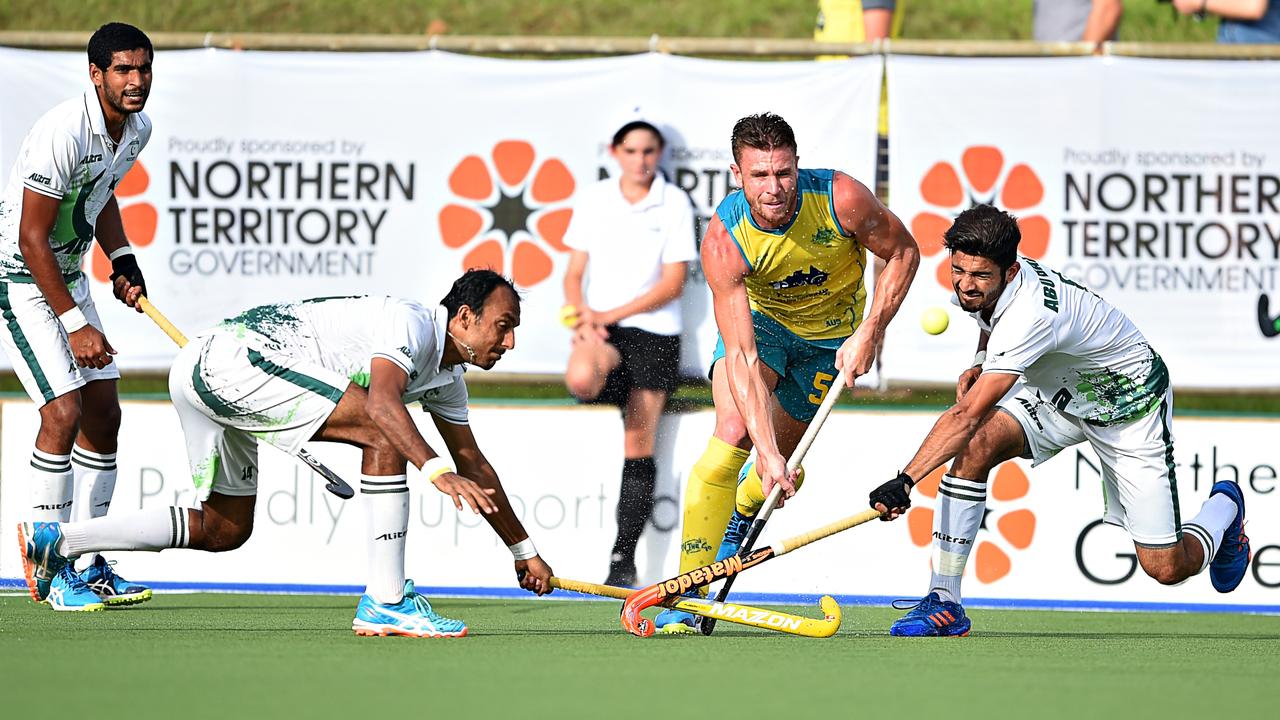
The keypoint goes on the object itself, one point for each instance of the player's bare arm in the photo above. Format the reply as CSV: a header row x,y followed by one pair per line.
x,y
951,433
534,573
970,376
725,270
387,382
39,213
126,277
882,233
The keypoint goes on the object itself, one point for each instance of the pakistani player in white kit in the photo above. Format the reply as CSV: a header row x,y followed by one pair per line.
x,y
1088,375
341,370
60,196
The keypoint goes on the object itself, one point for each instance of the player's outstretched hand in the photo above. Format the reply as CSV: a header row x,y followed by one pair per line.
x,y
894,497
461,489
90,347
966,381
534,575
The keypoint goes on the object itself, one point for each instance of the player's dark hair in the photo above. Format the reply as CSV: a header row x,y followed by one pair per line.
x,y
116,37
764,131
625,130
985,231
473,290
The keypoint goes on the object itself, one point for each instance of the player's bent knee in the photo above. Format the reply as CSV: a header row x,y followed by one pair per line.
x,y
62,413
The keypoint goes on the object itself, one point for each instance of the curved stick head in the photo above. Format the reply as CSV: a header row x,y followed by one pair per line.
x,y
632,621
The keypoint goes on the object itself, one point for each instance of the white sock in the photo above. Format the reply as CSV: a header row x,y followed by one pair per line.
x,y
95,482
386,510
961,505
51,487
152,530
1208,526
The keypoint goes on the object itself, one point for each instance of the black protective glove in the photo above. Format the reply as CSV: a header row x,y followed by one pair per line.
x,y
894,495
127,266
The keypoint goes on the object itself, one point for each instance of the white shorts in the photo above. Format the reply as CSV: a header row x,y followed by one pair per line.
x,y
37,345
1140,489
229,396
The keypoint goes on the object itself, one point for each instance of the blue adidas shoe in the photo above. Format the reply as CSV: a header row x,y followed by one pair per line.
x,y
68,593
675,622
734,533
41,561
110,587
1232,559
931,616
411,617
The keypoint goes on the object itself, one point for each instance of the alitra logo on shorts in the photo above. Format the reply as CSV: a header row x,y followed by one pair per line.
x,y
985,181
140,219
1013,529
510,213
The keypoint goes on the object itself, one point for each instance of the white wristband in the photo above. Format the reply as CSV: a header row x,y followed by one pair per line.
x,y
435,467
979,358
524,549
120,252
73,319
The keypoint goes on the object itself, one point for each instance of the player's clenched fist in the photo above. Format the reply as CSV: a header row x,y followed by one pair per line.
x,y
894,497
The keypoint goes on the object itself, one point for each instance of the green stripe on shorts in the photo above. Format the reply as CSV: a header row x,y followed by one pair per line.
x,y
220,407
306,382
24,347
1168,461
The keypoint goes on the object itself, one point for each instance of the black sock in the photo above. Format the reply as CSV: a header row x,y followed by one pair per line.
x,y
635,505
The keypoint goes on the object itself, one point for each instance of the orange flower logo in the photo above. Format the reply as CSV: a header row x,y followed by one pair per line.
x,y
139,218
1019,190
1014,529
509,218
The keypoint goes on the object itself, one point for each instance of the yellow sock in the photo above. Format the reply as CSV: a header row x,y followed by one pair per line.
x,y
751,492
708,502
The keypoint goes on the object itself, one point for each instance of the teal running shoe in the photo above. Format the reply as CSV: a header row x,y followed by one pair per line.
x,y
411,617
931,616
734,533
68,593
675,622
113,590
41,561
1232,559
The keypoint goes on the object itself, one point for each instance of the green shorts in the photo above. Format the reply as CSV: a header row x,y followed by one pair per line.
x,y
806,368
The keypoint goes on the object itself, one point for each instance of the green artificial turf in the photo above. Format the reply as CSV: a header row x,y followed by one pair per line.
x,y
236,656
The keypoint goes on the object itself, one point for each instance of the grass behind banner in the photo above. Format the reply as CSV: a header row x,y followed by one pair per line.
x,y
257,656
1144,20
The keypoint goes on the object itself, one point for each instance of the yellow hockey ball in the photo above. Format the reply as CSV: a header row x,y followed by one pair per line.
x,y
935,321
569,316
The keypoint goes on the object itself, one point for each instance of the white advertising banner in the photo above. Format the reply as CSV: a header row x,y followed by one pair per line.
x,y
276,176
1154,183
1041,545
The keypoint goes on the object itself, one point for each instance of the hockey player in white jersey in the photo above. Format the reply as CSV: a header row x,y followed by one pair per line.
x,y
1088,375
339,370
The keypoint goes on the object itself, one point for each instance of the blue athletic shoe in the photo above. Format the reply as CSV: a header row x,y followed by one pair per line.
x,y
1232,559
931,617
674,622
411,617
110,587
68,593
41,561
734,533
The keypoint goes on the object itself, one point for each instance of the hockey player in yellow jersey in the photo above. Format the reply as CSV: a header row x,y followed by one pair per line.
x,y
786,258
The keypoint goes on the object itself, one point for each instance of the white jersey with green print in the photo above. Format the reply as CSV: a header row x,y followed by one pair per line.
x,y
1080,352
345,334
69,156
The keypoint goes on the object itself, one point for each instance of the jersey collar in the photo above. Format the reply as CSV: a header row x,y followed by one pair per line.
x,y
98,121
1002,303
653,199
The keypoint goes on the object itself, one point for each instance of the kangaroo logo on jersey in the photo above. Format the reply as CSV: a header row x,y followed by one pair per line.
x,y
824,237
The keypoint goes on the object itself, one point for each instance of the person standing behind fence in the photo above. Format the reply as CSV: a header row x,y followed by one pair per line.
x,y
1243,21
1093,21
631,239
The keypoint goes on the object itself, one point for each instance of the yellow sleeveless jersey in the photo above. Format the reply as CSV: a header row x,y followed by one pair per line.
x,y
808,273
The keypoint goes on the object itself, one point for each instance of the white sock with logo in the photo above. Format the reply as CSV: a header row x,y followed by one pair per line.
x,y
95,482
51,487
151,530
386,510
1208,526
961,505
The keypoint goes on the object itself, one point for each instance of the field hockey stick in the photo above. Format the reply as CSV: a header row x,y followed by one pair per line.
x,y
705,624
658,594
333,483
740,614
